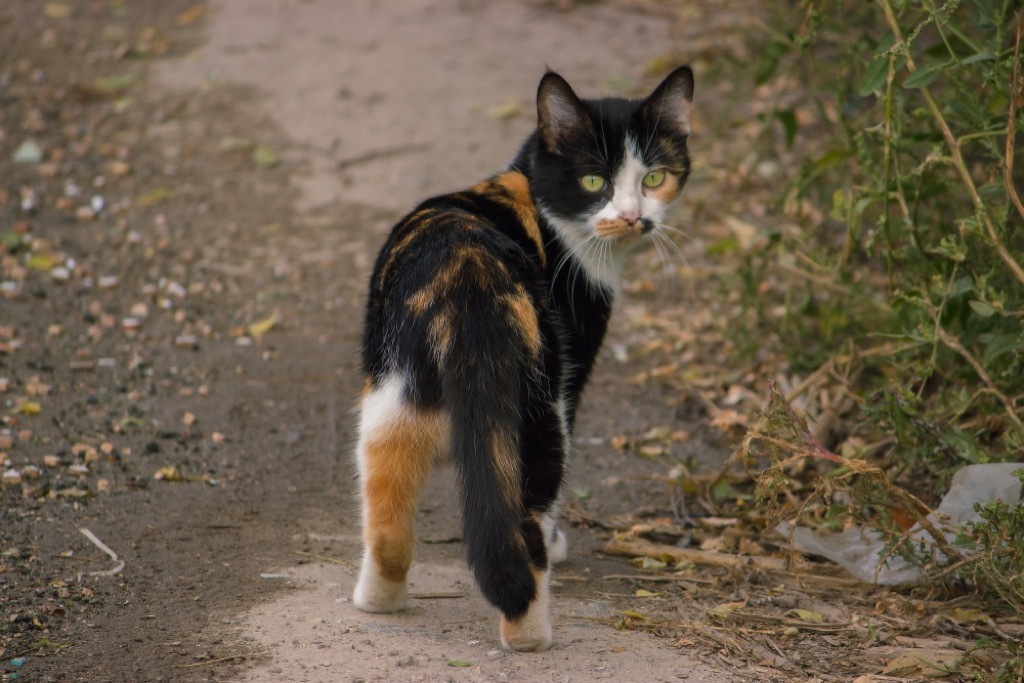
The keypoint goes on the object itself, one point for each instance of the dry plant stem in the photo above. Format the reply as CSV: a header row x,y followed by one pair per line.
x,y
956,156
1016,93
106,549
699,557
950,341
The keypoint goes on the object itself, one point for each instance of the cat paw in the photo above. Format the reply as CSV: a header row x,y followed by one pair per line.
x,y
379,596
559,548
529,633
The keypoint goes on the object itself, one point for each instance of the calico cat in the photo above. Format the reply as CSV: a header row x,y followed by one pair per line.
x,y
485,313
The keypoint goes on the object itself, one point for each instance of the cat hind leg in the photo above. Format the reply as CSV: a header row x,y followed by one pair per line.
x,y
396,447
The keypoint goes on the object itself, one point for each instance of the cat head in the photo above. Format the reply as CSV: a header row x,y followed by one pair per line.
x,y
606,171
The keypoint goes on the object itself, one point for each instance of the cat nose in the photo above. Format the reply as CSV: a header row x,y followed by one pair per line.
x,y
630,215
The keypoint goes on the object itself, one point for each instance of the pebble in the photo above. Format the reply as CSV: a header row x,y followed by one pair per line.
x,y
11,476
28,152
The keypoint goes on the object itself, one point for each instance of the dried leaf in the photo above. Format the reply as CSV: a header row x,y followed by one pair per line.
x,y
261,327
634,615
265,157
191,15
57,10
29,408
505,111
459,663
644,593
969,615
155,196
724,610
806,615
169,473
930,662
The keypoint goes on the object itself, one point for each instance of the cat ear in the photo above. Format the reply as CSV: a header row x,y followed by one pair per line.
x,y
559,111
670,101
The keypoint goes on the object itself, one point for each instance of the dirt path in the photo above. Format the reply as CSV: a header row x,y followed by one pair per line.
x,y
381,105
157,368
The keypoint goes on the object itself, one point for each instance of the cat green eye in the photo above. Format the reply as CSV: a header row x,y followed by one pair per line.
x,y
592,182
654,179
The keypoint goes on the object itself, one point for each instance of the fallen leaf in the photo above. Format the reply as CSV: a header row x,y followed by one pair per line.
x,y
644,593
113,85
265,157
508,110
169,473
29,408
57,10
648,563
806,615
155,196
459,663
724,610
928,662
191,15
969,615
634,615
261,327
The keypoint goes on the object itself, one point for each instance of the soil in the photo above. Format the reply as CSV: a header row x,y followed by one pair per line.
x,y
182,282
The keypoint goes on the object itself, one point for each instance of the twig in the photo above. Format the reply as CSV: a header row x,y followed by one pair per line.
x,y
700,557
383,153
323,558
1011,123
657,579
951,341
103,546
223,659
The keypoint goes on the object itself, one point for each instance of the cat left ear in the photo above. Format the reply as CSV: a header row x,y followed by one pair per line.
x,y
559,111
670,101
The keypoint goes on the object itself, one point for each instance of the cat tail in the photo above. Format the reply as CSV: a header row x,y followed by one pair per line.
x,y
482,386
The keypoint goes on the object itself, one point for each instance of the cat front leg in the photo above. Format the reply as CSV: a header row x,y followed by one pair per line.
x,y
396,447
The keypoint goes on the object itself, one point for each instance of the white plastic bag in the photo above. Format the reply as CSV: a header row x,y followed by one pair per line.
x,y
857,550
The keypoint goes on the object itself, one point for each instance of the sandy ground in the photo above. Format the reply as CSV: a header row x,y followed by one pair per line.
x,y
382,104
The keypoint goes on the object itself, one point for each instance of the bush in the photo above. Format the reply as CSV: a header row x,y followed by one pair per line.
x,y
914,282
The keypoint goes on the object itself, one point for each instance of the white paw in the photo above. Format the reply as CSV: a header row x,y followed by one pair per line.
x,y
378,595
529,633
559,548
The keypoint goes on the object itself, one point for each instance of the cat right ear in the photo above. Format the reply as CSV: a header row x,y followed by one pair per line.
x,y
670,101
559,111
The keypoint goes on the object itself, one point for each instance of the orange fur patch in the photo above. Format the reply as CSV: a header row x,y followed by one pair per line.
x,y
505,457
667,192
398,457
513,190
616,227
524,317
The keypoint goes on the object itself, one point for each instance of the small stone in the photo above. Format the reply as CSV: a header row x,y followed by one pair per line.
x,y
79,470
407,661
31,472
186,341
51,460
28,152
107,281
11,476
